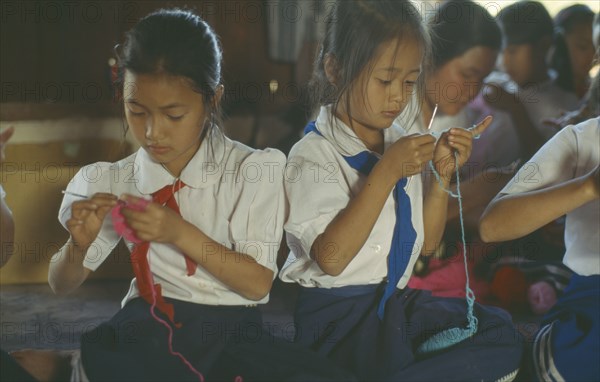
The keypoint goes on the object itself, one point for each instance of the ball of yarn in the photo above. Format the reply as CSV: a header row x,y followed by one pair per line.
x,y
509,286
118,219
542,297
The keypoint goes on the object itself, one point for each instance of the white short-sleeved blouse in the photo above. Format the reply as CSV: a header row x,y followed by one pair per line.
x,y
572,153
234,194
319,183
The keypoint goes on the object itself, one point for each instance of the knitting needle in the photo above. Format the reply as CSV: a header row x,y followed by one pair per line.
x,y
432,117
74,194
436,134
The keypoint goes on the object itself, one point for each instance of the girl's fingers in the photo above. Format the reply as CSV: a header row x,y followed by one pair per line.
x,y
463,151
144,236
426,138
80,214
105,200
101,196
460,132
105,195
92,204
456,141
136,225
81,209
103,211
86,204
73,222
481,126
131,215
136,216
141,230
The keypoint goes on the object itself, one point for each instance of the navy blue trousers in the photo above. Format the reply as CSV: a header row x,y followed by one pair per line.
x,y
11,371
567,347
221,342
342,324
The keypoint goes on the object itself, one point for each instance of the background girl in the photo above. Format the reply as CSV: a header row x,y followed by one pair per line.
x,y
574,51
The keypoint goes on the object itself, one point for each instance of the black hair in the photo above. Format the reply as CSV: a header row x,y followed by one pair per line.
x,y
179,43
458,26
354,30
564,22
525,22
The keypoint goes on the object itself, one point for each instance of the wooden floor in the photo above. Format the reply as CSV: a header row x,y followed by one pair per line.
x,y
32,317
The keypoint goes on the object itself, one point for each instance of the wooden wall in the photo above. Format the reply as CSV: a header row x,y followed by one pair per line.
x,y
56,53
54,67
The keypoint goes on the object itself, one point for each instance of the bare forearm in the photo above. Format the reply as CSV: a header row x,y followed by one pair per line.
x,y
66,272
513,216
237,270
435,209
343,238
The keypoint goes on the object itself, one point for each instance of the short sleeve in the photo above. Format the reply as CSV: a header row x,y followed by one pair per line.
x,y
257,222
316,191
88,181
554,163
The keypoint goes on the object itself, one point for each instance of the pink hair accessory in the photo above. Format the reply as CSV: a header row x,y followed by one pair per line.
x,y
541,296
118,219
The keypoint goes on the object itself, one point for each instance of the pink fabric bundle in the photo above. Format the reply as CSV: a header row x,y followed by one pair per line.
x,y
542,297
119,220
446,278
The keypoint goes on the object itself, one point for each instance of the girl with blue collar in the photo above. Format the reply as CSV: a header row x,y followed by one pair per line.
x,y
201,214
359,214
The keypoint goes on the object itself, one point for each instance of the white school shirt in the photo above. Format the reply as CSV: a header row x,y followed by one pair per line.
x,y
571,153
319,183
233,193
544,100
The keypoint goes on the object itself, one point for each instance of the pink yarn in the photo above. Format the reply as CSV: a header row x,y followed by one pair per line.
x,y
170,339
119,220
124,230
541,297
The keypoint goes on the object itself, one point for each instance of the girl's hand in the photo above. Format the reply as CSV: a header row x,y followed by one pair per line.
x,y
408,155
156,223
4,137
457,140
87,216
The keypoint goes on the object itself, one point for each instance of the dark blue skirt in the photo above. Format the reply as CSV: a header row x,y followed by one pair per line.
x,y
342,324
567,346
10,370
221,342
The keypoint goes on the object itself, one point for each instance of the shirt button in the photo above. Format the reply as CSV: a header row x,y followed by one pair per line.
x,y
376,248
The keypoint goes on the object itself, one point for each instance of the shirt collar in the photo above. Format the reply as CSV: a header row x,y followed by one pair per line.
x,y
203,170
343,138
